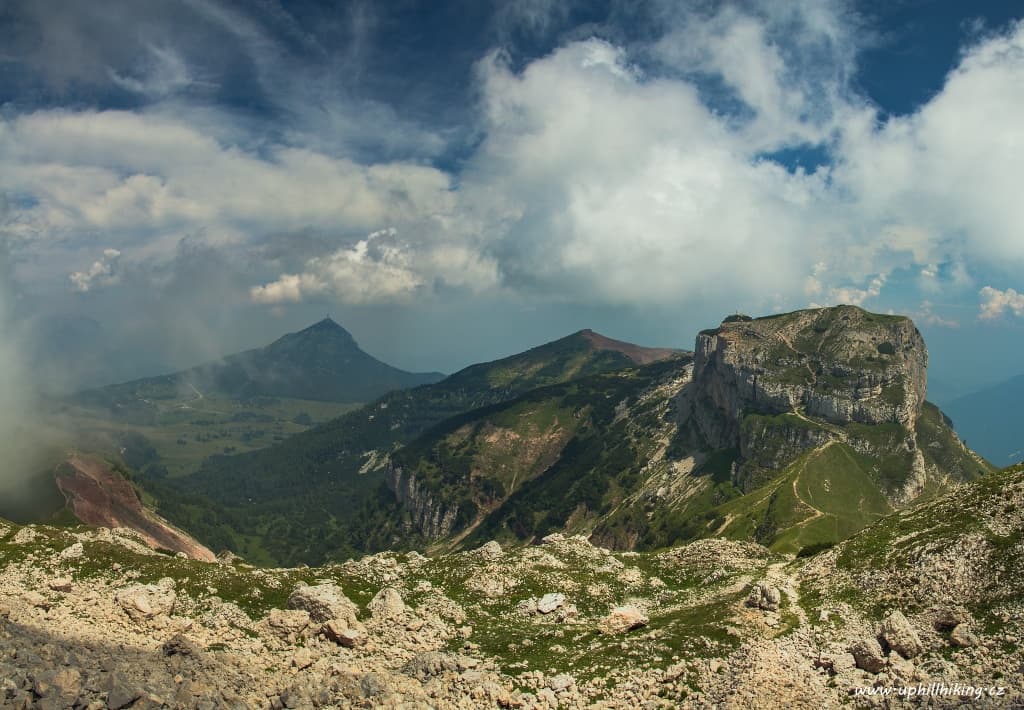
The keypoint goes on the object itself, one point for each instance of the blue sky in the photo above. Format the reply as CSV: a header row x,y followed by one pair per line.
x,y
457,181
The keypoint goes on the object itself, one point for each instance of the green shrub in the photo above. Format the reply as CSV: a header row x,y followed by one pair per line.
x,y
814,548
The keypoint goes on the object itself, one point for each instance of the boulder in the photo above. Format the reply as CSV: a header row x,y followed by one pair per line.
x,y
350,638
622,619
432,663
490,551
120,692
947,618
549,602
765,597
897,633
144,602
61,584
302,658
962,636
227,557
322,602
561,683
527,607
287,625
868,655
34,598
387,604
180,645
25,536
344,634
568,613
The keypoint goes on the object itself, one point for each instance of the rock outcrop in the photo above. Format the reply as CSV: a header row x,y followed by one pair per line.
x,y
776,387
839,364
427,517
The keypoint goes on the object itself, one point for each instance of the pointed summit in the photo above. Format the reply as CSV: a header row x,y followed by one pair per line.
x,y
327,323
321,362
316,334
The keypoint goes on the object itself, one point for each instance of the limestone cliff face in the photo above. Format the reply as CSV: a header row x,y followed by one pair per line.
x,y
842,365
427,517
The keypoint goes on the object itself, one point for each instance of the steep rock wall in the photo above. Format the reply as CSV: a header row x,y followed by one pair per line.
x,y
842,365
427,517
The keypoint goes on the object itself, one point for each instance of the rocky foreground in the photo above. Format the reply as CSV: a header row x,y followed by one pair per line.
x,y
929,598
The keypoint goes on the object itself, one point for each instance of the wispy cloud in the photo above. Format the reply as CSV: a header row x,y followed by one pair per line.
x,y
101,272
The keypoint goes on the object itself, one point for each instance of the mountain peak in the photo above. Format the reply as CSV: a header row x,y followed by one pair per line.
x,y
328,324
637,353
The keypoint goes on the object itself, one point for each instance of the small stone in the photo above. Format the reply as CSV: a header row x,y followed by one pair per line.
x,y
61,584
302,658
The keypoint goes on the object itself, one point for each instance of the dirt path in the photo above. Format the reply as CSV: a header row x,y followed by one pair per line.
x,y
778,576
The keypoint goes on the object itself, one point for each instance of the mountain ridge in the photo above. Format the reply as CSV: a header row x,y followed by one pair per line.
x,y
344,459
698,446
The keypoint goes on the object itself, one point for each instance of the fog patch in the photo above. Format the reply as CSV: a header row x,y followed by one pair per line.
x,y
27,445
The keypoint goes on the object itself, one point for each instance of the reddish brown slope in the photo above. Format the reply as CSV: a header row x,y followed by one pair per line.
x,y
636,353
101,497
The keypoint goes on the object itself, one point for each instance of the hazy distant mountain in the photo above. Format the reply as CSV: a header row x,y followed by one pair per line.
x,y
991,422
322,362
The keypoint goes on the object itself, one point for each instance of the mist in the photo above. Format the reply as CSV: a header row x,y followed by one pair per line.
x,y
27,488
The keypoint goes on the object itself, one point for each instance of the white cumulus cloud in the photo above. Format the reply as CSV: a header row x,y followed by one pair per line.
x,y
995,303
376,269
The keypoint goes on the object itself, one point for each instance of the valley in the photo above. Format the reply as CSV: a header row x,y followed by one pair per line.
x,y
793,431
779,514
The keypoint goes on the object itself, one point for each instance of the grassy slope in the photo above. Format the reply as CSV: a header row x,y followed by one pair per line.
x,y
558,452
822,497
321,493
986,511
